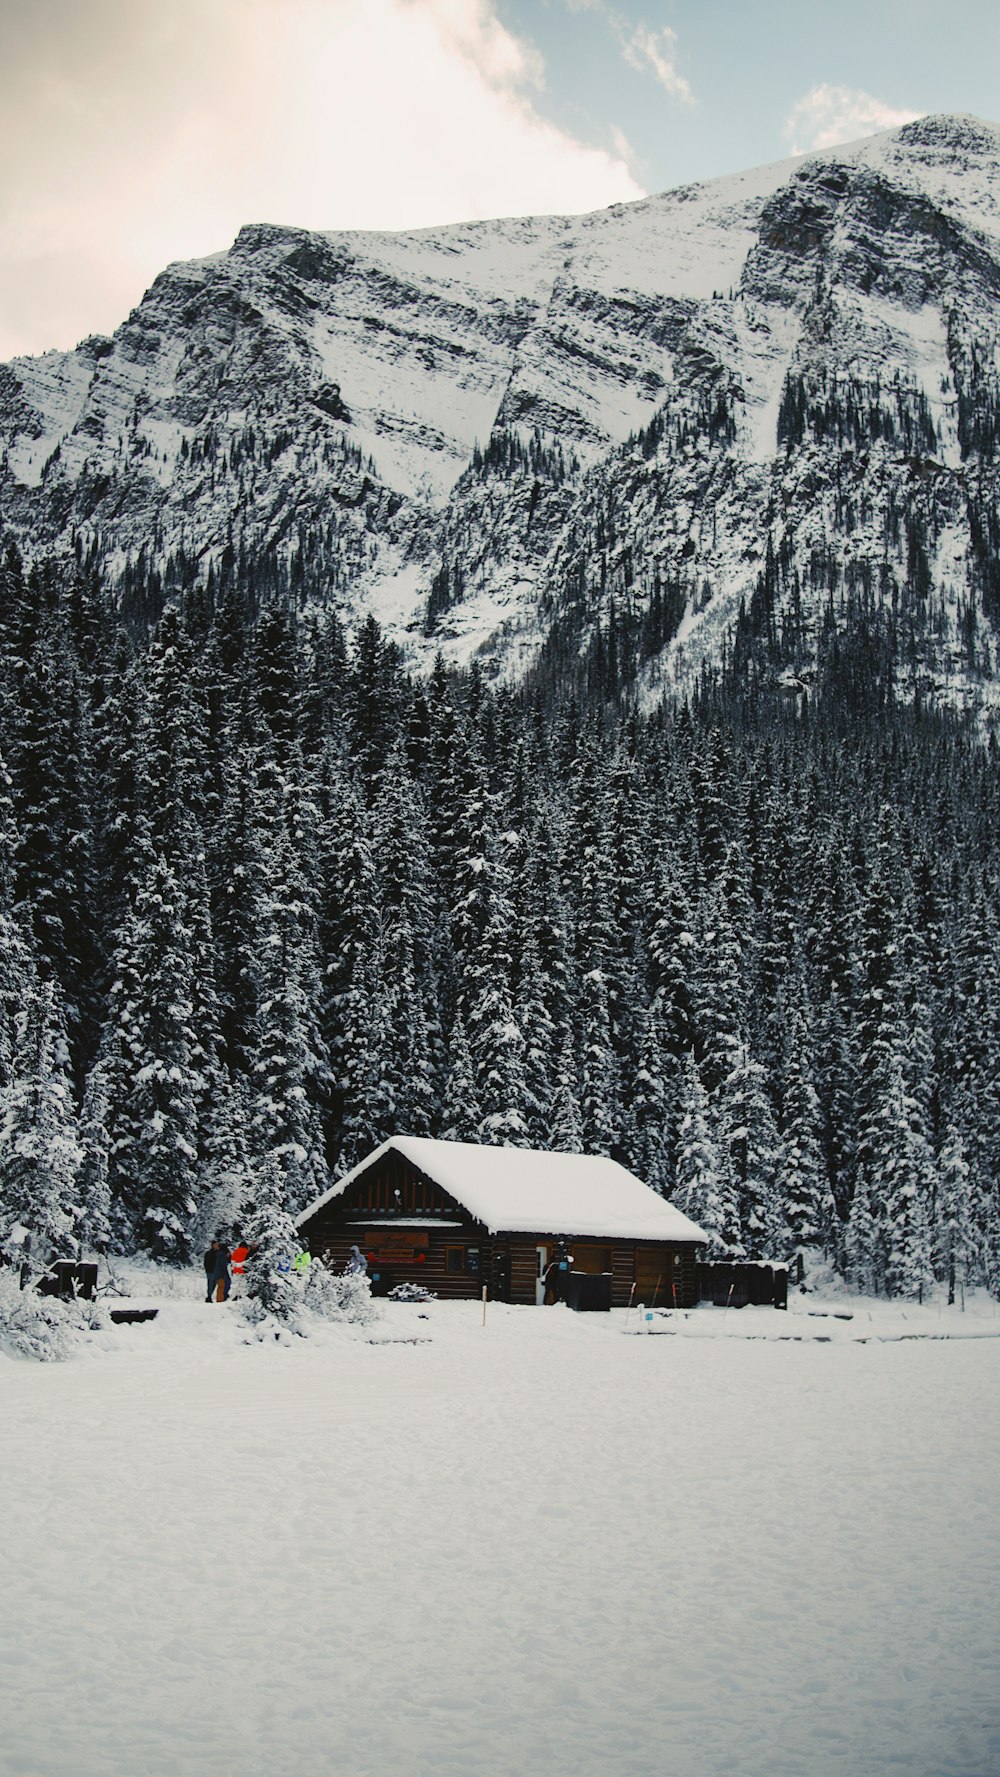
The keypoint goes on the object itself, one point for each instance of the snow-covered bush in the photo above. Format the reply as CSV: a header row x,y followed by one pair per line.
x,y
345,1296
411,1292
46,1328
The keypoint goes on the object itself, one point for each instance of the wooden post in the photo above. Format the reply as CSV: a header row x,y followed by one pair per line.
x,y
484,1304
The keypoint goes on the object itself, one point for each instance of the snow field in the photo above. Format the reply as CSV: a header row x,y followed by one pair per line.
x,y
538,1547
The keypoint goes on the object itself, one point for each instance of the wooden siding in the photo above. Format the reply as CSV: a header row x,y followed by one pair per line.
x,y
622,1274
524,1268
432,1270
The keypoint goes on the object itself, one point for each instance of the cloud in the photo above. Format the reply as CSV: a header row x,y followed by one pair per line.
x,y
829,115
134,135
644,47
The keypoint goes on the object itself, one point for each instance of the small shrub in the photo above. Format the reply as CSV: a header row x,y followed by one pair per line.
x,y
411,1292
345,1296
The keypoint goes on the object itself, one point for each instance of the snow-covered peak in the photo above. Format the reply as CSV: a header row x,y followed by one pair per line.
x,y
439,426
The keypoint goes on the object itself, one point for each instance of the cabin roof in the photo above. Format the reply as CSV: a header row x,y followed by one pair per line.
x,y
528,1191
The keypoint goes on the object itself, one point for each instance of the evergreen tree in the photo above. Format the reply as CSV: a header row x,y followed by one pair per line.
x,y
270,1287
161,1079
496,1041
649,1156
290,1067
17,968
599,1092
956,1236
565,1132
706,1186
748,1133
808,1214
864,1240
462,1114
40,1151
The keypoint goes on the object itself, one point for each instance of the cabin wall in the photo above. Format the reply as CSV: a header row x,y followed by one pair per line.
x,y
451,1262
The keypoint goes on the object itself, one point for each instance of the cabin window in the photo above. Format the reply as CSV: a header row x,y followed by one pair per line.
x,y
455,1258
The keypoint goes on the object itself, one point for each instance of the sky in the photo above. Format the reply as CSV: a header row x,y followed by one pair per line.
x,y
137,132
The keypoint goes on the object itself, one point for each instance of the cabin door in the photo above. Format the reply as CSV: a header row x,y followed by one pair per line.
x,y
653,1277
541,1260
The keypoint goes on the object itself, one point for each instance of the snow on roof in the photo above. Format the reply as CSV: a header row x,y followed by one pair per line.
x,y
526,1191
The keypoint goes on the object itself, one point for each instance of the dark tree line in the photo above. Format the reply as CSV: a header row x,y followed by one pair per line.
x,y
265,900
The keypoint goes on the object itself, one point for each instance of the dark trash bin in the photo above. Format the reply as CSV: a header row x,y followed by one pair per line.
x,y
66,1278
589,1292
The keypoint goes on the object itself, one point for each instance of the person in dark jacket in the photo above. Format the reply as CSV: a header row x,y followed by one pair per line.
x,y
219,1279
209,1263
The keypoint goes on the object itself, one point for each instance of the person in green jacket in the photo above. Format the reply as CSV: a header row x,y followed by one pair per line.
x,y
302,1262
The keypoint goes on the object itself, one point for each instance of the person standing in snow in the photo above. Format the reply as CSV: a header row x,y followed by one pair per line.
x,y
209,1262
220,1280
555,1276
357,1264
239,1256
302,1262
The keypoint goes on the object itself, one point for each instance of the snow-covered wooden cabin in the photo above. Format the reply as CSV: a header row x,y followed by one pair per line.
x,y
454,1215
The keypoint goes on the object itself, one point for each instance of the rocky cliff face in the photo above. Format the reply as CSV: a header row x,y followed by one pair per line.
x,y
739,415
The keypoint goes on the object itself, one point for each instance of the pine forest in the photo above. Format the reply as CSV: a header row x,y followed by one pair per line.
x,y
266,900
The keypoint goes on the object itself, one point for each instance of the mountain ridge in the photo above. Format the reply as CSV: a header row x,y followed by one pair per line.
x,y
491,434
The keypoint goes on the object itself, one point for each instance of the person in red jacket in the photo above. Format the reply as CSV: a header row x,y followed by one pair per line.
x,y
239,1256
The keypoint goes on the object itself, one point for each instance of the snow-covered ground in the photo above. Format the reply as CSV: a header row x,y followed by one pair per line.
x,y
550,1545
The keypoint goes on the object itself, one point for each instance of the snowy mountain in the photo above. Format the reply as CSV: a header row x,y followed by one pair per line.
x,y
745,416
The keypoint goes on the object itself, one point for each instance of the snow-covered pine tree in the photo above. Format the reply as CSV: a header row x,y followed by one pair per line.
x,y
94,1185
597,953
648,1116
461,1112
225,1178
565,1129
291,1071
17,969
719,990
270,1288
748,1133
672,952
705,1186
52,766
163,1082
599,1083
809,1218
40,1152
836,1079
496,1041
347,922
865,1239
955,1232
897,1159
407,984
539,1034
